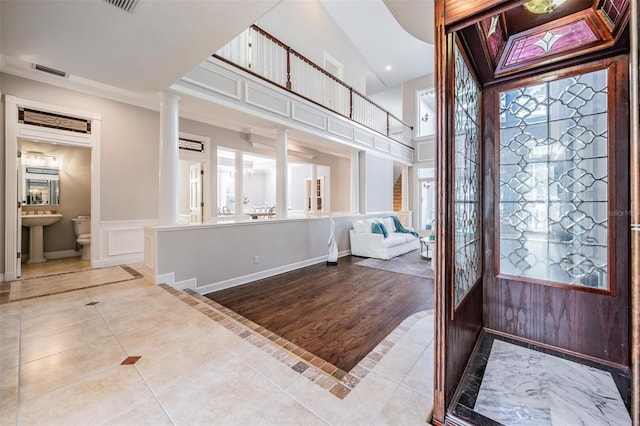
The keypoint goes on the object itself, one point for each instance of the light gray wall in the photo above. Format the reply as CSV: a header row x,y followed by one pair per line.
x,y
222,252
297,182
409,101
2,174
129,147
75,194
308,28
376,183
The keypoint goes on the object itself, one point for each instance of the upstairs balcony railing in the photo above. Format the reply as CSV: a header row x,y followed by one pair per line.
x,y
265,56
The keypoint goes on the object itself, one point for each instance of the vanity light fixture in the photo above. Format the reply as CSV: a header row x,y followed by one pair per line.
x,y
542,6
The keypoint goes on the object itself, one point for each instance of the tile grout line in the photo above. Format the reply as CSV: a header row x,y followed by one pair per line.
x,y
155,397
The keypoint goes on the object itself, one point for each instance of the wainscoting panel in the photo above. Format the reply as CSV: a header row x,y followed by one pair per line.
x,y
363,137
308,116
381,145
121,242
340,129
125,241
266,99
215,81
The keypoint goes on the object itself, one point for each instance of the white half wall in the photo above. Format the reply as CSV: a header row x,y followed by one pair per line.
x,y
212,257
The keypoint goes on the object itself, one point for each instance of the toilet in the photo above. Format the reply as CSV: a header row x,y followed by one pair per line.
x,y
82,228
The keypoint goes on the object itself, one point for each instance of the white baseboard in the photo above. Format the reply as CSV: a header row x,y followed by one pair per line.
x,y
233,282
167,279
192,283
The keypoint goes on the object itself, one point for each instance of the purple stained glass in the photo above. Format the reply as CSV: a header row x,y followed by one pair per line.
x,y
613,9
495,35
555,40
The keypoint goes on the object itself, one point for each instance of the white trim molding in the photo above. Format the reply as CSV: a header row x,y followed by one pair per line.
x,y
15,131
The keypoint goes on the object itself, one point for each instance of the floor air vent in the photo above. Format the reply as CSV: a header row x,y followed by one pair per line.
x,y
50,70
126,5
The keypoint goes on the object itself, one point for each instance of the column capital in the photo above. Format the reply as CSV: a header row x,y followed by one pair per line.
x,y
169,97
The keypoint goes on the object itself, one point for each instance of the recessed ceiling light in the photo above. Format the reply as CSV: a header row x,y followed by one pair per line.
x,y
388,68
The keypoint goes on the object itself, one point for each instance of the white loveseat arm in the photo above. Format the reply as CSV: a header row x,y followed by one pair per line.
x,y
366,244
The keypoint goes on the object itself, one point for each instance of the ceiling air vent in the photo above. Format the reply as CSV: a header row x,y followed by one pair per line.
x,y
126,5
50,70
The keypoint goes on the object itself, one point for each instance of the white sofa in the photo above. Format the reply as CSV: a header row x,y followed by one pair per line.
x,y
365,243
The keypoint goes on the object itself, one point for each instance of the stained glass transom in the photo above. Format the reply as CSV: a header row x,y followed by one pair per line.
x,y
565,37
553,181
467,259
613,10
495,36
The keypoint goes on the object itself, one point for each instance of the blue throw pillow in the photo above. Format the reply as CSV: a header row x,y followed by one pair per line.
x,y
378,228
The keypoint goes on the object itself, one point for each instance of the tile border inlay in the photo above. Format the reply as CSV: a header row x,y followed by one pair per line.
x,y
5,287
326,375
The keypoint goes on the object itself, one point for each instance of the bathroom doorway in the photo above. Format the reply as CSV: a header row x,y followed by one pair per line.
x,y
55,180
28,121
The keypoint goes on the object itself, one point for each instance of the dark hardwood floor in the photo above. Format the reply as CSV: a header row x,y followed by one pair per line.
x,y
338,313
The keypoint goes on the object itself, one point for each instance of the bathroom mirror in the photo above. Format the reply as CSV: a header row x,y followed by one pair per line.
x,y
40,186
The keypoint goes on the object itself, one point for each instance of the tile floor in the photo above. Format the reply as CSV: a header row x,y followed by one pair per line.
x,y
68,358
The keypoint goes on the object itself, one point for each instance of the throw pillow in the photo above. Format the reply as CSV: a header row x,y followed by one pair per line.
x,y
378,228
359,227
389,224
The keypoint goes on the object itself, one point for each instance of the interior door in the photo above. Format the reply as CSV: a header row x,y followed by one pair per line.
x,y
195,193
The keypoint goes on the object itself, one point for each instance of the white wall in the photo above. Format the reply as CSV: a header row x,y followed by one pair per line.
x,y
308,28
2,174
391,100
409,101
376,183
297,189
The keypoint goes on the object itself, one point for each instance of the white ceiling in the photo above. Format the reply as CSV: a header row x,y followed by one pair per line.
x,y
394,54
133,56
144,51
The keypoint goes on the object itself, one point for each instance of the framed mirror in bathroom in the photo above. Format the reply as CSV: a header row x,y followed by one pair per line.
x,y
40,186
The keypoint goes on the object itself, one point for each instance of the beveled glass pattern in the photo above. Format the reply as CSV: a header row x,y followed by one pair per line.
x,y
553,181
467,258
565,37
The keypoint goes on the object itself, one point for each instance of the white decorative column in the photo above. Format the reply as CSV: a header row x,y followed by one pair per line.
x,y
282,179
168,174
355,181
239,184
314,189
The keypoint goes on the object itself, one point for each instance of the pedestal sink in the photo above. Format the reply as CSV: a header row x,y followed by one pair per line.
x,y
35,223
